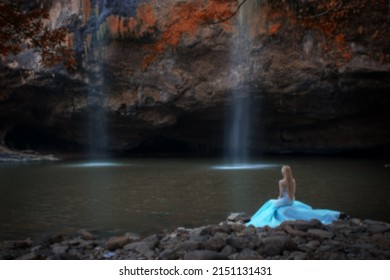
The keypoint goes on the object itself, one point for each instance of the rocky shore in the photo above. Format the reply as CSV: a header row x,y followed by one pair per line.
x,y
8,155
231,240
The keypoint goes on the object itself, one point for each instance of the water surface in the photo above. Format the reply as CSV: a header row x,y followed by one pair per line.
x,y
147,195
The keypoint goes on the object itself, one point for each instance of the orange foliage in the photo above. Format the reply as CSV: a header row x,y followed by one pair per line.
x,y
22,29
112,22
143,23
87,10
329,18
186,18
70,40
274,28
340,38
146,14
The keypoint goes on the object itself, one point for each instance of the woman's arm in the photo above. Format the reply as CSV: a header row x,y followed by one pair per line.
x,y
280,188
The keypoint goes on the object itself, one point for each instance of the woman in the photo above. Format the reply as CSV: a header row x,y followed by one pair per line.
x,y
285,208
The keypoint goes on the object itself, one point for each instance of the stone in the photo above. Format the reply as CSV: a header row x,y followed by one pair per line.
x,y
237,227
241,217
228,250
217,242
235,242
190,245
153,239
303,225
200,234
86,235
47,240
23,244
140,247
321,234
378,228
133,236
59,249
275,245
381,240
325,248
312,245
116,242
150,255
168,254
272,250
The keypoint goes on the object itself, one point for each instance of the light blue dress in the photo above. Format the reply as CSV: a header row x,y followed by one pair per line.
x,y
276,211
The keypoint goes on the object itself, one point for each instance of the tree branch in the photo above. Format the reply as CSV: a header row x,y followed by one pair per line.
x,y
232,15
329,10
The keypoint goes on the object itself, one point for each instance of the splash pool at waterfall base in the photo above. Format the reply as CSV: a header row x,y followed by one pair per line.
x,y
147,195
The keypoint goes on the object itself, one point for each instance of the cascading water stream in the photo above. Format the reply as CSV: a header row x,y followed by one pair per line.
x,y
97,119
96,95
239,118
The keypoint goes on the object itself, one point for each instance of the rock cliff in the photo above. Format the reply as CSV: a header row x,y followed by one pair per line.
x,y
312,91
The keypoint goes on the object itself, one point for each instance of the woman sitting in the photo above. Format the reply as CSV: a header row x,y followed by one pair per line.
x,y
286,208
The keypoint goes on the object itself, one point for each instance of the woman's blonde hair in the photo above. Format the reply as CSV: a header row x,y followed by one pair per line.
x,y
288,176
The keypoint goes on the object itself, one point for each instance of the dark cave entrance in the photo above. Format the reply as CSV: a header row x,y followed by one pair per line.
x,y
34,138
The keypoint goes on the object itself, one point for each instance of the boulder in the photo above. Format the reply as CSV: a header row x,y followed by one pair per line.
x,y
116,242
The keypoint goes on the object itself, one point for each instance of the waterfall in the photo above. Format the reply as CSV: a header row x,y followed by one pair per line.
x,y
239,115
96,95
97,122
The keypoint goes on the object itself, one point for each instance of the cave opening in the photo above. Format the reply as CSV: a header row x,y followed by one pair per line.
x,y
34,138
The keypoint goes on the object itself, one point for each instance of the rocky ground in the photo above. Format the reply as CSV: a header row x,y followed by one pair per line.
x,y
7,155
292,240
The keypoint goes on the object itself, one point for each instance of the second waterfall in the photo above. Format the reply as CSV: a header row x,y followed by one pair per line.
x,y
238,125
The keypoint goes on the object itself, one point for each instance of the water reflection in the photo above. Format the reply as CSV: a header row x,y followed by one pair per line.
x,y
244,166
95,164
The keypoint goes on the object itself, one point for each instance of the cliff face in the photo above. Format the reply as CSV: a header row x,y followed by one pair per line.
x,y
311,91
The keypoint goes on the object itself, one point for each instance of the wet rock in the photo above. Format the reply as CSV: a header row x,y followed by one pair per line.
x,y
140,247
59,249
275,245
341,240
272,250
303,225
378,228
190,245
311,245
133,236
235,242
168,254
23,244
221,228
381,240
117,242
228,250
86,235
153,239
321,234
48,239
238,217
200,234
237,227
217,242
